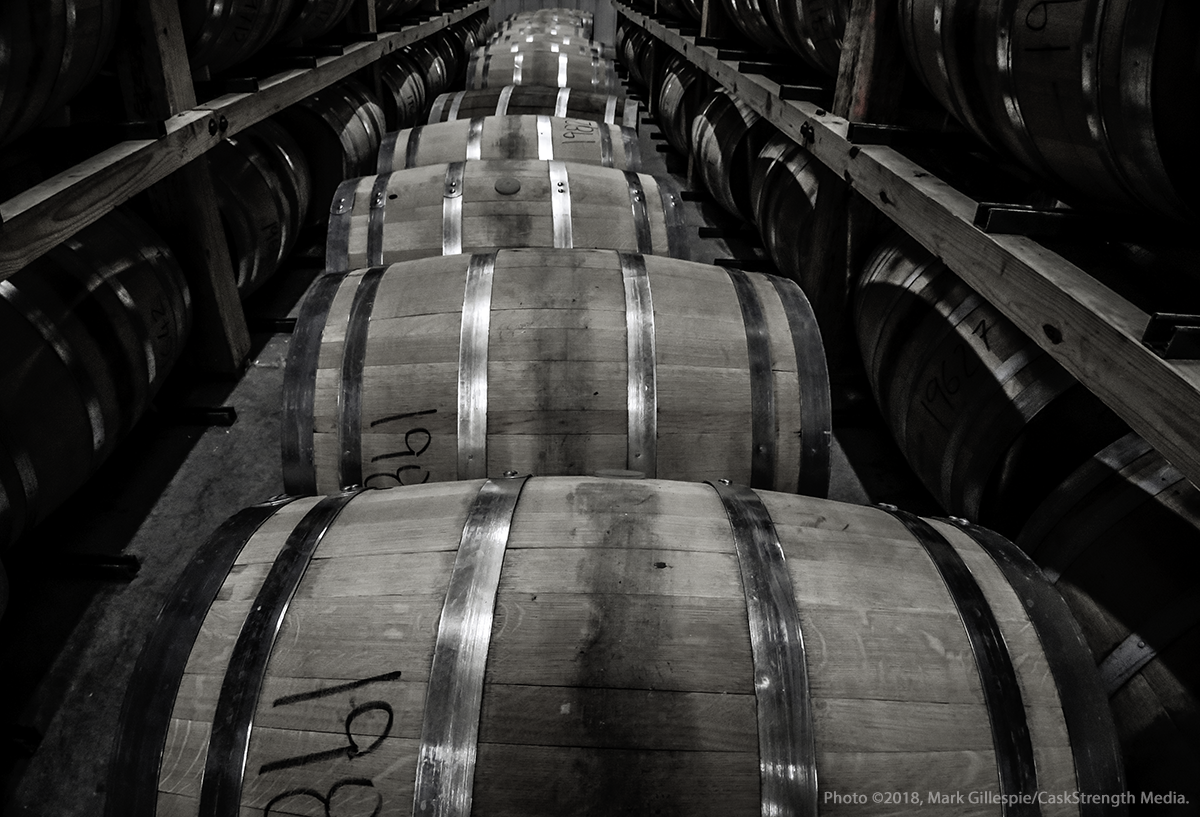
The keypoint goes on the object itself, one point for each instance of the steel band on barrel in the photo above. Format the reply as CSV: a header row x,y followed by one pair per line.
x,y
762,382
229,742
450,728
545,138
487,65
455,105
1090,726
387,152
153,686
630,116
641,365
376,217
641,217
337,243
502,102
354,355
786,743
560,102
560,206
672,208
475,139
472,367
452,199
610,110
816,410
606,146
439,105
300,384
413,147
518,61
1011,739
562,70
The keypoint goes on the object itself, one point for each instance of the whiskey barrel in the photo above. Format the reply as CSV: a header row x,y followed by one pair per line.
x,y
558,361
988,421
636,47
264,189
89,332
1120,539
751,17
510,38
511,137
404,94
610,109
784,187
339,129
527,44
312,19
580,72
1085,94
812,29
388,9
223,33
727,137
48,53
682,89
547,646
473,206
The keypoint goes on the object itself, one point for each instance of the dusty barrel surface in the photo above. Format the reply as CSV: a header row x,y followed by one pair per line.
x,y
264,190
472,206
1088,94
610,109
89,333
559,362
339,129
551,646
584,72
727,137
987,420
1120,539
511,137
48,52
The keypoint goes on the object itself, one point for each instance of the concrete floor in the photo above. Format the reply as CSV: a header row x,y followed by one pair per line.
x,y
74,627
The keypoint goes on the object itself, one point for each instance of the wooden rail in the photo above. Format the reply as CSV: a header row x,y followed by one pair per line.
x,y
1093,332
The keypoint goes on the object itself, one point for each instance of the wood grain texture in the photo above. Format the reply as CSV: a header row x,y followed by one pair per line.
x,y
618,675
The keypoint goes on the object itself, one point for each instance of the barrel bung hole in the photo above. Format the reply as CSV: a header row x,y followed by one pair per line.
x,y
1053,333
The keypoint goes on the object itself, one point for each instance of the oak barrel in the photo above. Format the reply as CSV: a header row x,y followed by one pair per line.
x,y
48,52
559,362
511,137
471,206
404,91
339,129
811,28
223,33
547,646
1120,539
988,421
584,72
89,332
727,137
784,185
385,9
1089,93
312,19
611,109
264,190
682,89
510,38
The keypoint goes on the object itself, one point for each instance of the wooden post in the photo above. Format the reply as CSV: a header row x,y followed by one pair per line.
x,y
157,84
714,22
870,79
362,19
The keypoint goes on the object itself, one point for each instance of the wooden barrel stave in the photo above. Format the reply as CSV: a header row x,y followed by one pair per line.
x,y
783,193
511,137
220,35
812,29
1119,540
578,72
447,209
509,38
559,321
727,137
681,91
619,669
531,99
406,93
93,327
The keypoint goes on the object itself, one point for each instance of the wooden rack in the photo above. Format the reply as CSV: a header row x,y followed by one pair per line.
x,y
36,220
1093,332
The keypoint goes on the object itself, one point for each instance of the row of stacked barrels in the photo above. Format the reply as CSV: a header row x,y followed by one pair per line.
x,y
418,622
50,51
1089,95
995,429
91,329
